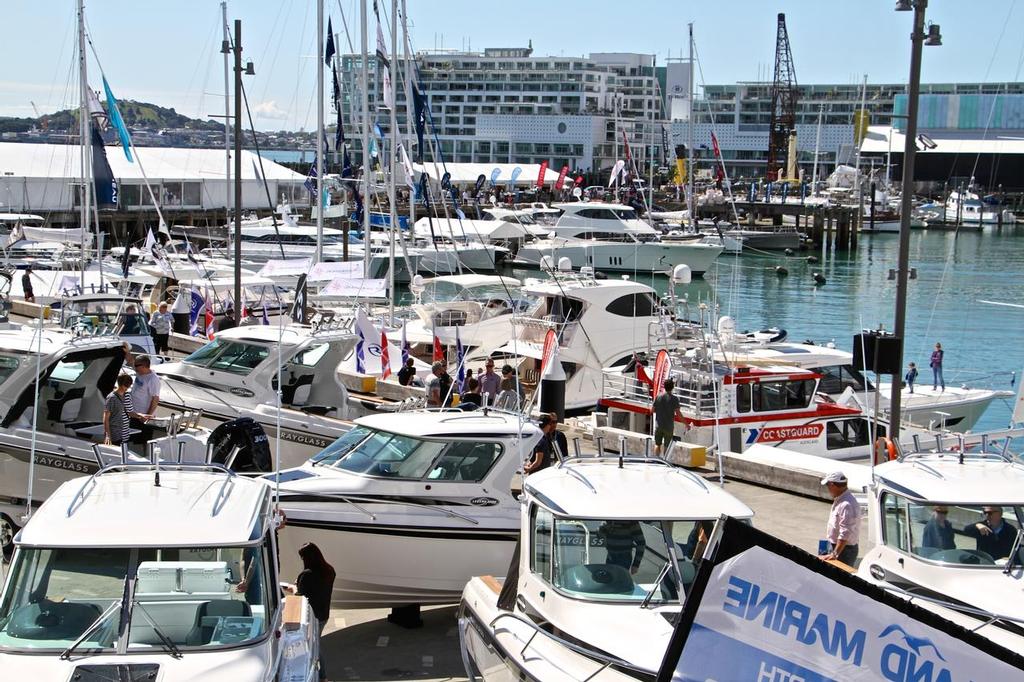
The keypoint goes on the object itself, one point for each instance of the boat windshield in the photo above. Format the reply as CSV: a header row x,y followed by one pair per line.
x,y
126,317
617,560
181,598
977,535
8,365
237,357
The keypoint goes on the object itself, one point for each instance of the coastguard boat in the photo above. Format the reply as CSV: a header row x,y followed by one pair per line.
x,y
607,553
136,573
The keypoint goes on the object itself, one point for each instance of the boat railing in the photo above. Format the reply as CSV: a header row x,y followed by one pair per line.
x,y
606,660
534,329
695,400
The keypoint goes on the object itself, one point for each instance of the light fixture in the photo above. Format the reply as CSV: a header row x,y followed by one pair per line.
x,y
904,6
934,35
250,70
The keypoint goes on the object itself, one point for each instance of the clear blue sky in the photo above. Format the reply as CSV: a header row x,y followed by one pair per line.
x,y
168,52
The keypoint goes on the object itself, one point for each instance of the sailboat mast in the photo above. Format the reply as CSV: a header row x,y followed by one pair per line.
x,y
690,202
410,107
227,110
363,83
84,137
319,254
392,161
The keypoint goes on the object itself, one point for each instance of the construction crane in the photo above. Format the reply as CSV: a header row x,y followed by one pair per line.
x,y
782,131
39,117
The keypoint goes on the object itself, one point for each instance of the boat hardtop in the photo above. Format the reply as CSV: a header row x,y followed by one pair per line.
x,y
451,424
942,478
122,506
643,489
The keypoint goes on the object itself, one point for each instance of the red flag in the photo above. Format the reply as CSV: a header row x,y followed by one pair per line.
x,y
629,157
209,319
438,350
561,177
550,344
385,361
714,146
641,375
579,181
540,174
662,366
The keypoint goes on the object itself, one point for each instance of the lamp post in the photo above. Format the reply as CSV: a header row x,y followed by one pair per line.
x,y
917,38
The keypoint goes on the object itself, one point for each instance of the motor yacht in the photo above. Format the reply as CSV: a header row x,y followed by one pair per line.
x,y
926,511
236,374
136,573
608,551
610,237
407,507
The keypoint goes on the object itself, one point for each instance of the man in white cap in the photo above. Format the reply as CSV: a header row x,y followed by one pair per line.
x,y
843,531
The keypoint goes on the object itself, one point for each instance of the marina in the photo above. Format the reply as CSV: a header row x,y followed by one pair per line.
x,y
494,366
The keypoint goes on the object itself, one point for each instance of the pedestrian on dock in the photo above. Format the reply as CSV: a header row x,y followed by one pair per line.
x,y
162,322
843,530
666,409
316,584
490,382
936,364
439,393
911,376
26,285
408,371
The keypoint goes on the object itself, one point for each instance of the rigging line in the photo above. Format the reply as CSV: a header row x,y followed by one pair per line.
x,y
995,97
281,25
348,35
263,175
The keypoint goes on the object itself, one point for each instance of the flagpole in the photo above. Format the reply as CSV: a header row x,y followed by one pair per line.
x,y
225,48
392,157
365,141
84,137
318,256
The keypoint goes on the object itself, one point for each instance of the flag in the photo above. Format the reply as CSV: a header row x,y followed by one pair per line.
x,y
495,174
460,353
385,358
208,319
540,174
714,146
438,350
117,121
329,50
480,180
360,361
419,102
405,346
310,183
561,177
641,376
407,166
382,59
96,110
616,171
103,178
126,259
516,172
298,311
339,130
195,307
625,142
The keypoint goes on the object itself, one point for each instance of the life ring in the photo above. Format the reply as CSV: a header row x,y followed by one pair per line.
x,y
885,450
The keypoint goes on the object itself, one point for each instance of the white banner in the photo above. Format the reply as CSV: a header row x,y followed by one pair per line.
x,y
764,617
285,268
344,287
325,272
616,170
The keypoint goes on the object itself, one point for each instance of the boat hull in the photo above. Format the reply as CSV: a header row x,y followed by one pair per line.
x,y
658,257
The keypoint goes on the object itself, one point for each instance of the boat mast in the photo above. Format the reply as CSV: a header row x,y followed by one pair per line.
x,y
392,161
226,50
690,203
363,78
85,139
856,134
410,108
319,253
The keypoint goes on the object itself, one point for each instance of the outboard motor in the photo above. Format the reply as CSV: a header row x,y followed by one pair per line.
x,y
251,440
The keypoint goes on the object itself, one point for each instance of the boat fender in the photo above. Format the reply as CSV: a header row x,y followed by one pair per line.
x,y
885,450
819,278
812,259
781,271
788,252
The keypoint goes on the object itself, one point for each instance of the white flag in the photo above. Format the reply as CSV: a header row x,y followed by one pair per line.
x,y
407,165
619,165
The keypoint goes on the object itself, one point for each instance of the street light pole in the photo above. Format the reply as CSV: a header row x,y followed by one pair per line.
x,y
906,206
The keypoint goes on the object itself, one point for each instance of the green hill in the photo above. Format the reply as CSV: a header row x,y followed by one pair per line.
x,y
136,115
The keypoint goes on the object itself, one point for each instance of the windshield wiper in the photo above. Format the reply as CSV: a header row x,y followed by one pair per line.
x,y
168,644
1014,551
114,606
662,574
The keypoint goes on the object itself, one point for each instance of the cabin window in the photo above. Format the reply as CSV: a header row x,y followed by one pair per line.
x,y
625,214
309,357
8,365
540,543
895,522
68,371
743,397
771,396
341,447
846,433
229,356
632,305
837,378
465,461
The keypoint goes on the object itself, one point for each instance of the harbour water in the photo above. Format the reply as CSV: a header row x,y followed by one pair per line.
x,y
983,343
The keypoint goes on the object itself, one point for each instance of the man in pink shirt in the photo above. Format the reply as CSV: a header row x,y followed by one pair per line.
x,y
843,531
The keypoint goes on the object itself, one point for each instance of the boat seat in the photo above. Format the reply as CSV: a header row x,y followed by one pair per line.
x,y
66,408
291,395
321,410
599,579
208,615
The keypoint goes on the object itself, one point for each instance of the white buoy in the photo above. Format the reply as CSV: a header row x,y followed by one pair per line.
x,y
682,274
564,264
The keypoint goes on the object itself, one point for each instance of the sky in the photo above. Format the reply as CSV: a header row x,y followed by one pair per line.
x,y
168,53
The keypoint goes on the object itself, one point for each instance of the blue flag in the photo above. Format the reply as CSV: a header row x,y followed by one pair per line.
x,y
515,175
195,307
459,359
115,120
495,174
360,361
405,347
266,317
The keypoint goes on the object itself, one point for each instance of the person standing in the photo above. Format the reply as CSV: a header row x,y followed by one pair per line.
x,y
162,322
439,393
666,409
26,285
228,321
911,376
559,443
843,530
936,364
316,584
471,398
145,396
117,411
490,382
625,543
542,452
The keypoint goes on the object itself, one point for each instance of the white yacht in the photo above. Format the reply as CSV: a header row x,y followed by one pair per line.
x,y
598,322
610,237
236,374
135,573
608,552
407,507
942,561
967,209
